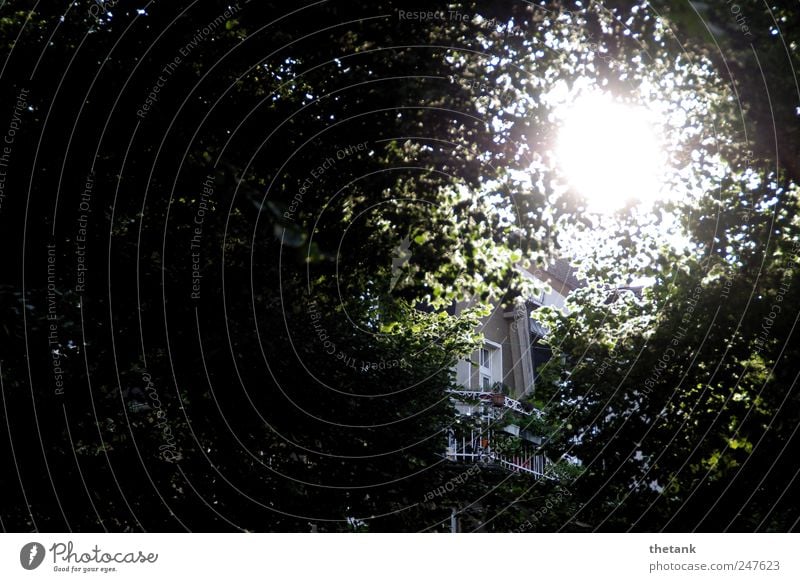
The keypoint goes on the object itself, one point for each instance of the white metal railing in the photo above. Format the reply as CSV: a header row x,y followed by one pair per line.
x,y
478,449
534,464
514,405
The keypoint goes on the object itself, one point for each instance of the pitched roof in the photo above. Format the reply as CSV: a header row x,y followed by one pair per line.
x,y
560,275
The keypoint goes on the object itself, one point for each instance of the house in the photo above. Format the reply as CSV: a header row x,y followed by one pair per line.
x,y
495,425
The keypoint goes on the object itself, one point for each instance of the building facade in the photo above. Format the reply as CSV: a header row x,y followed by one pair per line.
x,y
496,425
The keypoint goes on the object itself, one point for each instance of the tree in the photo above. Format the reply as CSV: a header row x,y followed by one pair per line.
x,y
678,396
193,288
233,314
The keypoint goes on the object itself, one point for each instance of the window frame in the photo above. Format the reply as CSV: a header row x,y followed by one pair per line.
x,y
489,365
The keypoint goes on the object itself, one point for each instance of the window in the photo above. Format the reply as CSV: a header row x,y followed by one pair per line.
x,y
540,352
489,366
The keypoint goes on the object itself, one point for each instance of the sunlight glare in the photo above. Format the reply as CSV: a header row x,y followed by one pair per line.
x,y
609,152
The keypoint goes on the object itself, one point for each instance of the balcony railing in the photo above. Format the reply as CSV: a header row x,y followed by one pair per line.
x,y
498,400
478,448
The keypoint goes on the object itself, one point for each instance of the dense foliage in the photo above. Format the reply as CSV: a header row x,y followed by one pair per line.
x,y
234,233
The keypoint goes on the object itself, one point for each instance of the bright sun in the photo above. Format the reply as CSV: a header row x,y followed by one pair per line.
x,y
609,152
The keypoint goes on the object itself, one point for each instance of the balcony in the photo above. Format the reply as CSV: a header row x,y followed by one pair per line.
x,y
493,442
477,447
496,399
